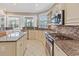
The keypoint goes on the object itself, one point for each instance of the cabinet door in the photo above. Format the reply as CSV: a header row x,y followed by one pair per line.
x,y
20,47
7,49
32,34
37,34
58,51
24,42
41,36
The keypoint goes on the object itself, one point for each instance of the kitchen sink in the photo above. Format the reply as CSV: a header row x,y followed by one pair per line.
x,y
14,34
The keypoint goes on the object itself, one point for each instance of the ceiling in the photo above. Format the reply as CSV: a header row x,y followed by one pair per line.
x,y
25,7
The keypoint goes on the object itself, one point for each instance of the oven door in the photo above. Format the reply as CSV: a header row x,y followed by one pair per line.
x,y
49,48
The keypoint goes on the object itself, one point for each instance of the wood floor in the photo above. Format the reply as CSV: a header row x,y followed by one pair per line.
x,y
35,48
35,45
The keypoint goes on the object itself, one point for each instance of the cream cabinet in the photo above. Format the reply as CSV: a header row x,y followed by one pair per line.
x,y
7,49
24,43
58,51
13,48
40,35
32,34
21,45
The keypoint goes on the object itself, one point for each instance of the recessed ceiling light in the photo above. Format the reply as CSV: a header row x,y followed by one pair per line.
x,y
36,5
14,3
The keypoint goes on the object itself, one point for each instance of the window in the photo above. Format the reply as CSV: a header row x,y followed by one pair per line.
x,y
2,23
13,22
29,22
43,21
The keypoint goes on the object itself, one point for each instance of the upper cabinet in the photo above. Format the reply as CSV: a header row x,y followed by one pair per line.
x,y
72,14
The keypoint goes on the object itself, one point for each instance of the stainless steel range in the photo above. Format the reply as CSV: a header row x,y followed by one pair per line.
x,y
49,44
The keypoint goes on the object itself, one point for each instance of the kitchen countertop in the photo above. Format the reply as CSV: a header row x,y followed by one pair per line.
x,y
13,39
69,46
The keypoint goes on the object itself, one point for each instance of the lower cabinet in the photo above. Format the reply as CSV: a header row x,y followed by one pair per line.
x,y
40,35
32,34
21,46
7,49
13,48
19,50
58,51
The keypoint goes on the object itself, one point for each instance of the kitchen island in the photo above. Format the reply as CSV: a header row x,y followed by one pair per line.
x,y
13,44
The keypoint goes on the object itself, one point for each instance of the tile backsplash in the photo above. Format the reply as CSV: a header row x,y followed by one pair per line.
x,y
68,31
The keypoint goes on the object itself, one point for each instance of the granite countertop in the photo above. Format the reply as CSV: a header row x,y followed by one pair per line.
x,y
11,38
69,46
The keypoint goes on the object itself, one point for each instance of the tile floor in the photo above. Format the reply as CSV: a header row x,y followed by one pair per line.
x,y
35,48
